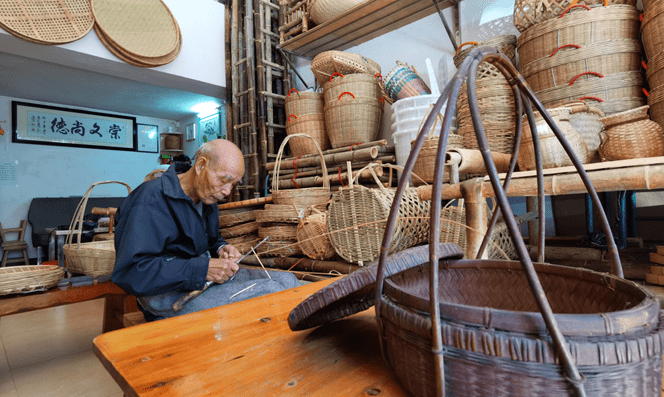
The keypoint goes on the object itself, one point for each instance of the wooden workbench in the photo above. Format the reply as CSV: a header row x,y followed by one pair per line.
x,y
246,349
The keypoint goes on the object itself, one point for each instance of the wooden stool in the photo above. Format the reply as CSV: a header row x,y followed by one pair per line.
x,y
16,245
110,211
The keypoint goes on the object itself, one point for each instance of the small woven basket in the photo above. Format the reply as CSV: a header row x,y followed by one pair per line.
x,y
403,81
553,153
497,108
312,235
302,198
327,63
585,120
94,258
304,103
631,135
350,120
357,215
312,125
21,279
532,12
505,44
325,10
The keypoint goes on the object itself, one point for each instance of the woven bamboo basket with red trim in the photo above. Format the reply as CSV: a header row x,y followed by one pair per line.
x,y
361,85
350,120
312,125
532,12
303,103
505,44
327,63
653,23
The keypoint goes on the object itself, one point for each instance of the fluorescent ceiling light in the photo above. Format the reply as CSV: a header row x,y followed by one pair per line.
x,y
205,109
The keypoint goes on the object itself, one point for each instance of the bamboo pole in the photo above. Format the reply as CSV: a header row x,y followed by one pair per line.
x,y
643,177
366,154
364,145
303,264
332,168
251,97
316,181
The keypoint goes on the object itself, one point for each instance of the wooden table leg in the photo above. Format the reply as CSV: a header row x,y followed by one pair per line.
x,y
476,216
114,310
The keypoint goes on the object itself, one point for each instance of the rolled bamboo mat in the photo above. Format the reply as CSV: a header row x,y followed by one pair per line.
x,y
47,21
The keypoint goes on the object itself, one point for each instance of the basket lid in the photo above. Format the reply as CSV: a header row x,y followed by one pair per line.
x,y
355,292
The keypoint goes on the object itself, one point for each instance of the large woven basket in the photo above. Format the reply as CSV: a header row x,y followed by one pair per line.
x,y
497,109
656,103
301,198
653,23
553,154
655,70
92,259
570,61
304,103
505,44
327,63
312,235
356,221
580,27
532,12
22,279
312,125
631,135
361,85
496,343
350,120
585,120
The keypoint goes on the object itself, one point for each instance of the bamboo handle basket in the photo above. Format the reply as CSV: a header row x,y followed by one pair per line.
x,y
22,279
93,259
356,219
505,44
304,103
302,198
499,328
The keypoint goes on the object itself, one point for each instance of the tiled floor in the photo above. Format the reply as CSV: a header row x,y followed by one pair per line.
x,y
49,353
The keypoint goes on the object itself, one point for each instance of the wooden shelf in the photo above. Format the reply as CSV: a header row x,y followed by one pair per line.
x,y
360,24
165,135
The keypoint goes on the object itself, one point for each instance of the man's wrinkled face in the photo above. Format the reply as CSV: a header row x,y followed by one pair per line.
x,y
217,183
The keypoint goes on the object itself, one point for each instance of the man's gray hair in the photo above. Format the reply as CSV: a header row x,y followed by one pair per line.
x,y
207,150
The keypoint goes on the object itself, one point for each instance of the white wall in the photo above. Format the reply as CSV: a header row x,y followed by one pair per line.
x,y
61,171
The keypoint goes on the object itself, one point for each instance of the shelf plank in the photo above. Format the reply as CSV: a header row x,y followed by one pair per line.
x,y
364,22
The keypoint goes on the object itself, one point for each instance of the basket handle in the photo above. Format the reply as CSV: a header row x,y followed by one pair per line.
x,y
581,74
280,154
379,76
292,115
563,46
371,166
344,93
296,91
574,6
644,64
603,140
591,97
335,74
465,44
80,213
435,123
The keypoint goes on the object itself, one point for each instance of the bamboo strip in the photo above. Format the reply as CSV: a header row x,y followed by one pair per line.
x,y
336,179
365,154
245,203
309,171
304,264
645,177
365,145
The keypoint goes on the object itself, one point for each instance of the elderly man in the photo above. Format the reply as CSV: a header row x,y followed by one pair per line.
x,y
167,239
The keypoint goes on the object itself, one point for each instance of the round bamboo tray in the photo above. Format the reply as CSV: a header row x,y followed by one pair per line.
x,y
22,279
631,135
327,63
553,154
580,27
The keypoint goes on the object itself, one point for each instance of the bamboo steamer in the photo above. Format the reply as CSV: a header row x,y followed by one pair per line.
x,y
631,135
553,154
580,27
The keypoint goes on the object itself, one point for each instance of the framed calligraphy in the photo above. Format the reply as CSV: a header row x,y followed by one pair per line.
x,y
51,125
148,138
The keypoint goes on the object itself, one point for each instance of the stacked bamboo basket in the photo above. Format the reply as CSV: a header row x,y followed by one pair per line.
x,y
495,97
585,53
651,31
238,225
306,116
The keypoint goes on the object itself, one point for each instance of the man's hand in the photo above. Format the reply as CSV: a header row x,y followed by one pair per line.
x,y
221,269
228,251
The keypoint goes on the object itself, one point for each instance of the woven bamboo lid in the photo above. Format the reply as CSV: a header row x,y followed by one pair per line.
x,y
46,21
356,292
142,28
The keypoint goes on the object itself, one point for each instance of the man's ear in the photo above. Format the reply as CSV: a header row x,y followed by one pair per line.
x,y
200,164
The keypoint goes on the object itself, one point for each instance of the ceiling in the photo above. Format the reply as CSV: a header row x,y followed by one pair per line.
x,y
31,79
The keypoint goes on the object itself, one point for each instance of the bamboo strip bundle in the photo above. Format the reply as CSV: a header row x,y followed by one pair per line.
x,y
337,179
236,218
304,264
356,154
239,230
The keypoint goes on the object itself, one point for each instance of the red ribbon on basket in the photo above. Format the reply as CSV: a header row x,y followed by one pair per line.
x,y
591,97
291,90
292,115
645,66
344,93
646,92
353,145
296,171
581,74
566,45
379,75
574,6
335,74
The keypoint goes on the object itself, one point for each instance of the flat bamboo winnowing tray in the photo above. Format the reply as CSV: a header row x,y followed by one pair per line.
x,y
46,21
